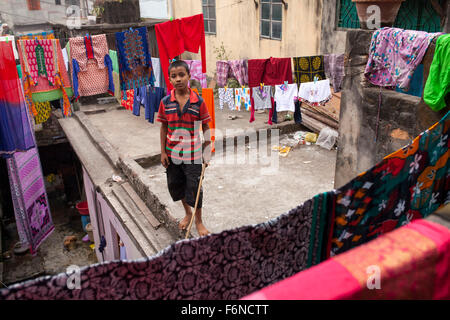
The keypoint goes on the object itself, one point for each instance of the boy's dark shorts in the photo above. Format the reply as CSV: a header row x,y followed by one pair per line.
x,y
183,180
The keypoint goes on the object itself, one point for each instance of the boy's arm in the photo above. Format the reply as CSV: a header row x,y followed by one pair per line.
x,y
163,138
207,144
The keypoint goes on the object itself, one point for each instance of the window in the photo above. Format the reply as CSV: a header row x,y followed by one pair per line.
x,y
271,14
209,15
58,2
34,4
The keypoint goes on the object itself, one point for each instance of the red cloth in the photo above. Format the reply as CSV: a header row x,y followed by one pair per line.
x,y
271,72
413,260
175,37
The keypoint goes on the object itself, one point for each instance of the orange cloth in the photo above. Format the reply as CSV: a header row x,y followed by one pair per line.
x,y
208,97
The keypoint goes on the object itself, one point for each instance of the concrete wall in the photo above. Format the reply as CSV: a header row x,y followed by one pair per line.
x,y
402,116
238,27
332,38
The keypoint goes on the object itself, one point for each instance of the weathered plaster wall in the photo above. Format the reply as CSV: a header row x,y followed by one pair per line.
x,y
238,27
332,39
402,117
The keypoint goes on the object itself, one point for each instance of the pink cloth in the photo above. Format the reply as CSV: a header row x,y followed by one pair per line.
x,y
48,62
234,68
195,66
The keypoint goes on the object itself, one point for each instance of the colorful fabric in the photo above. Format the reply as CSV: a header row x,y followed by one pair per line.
x,y
315,93
44,111
91,66
307,68
15,133
128,99
412,263
226,97
11,39
242,99
334,70
208,97
233,68
262,97
394,54
179,35
31,207
408,184
115,61
223,266
135,62
437,86
40,60
195,67
183,141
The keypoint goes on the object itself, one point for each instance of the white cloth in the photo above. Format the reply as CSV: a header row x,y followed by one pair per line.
x,y
315,92
11,39
157,71
66,58
285,98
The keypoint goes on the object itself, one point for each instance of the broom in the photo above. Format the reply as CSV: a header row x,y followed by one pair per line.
x,y
196,200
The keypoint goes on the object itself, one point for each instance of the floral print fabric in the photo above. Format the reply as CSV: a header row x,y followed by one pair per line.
x,y
226,97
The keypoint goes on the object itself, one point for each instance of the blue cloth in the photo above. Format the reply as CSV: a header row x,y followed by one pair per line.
x,y
298,112
416,84
140,97
155,95
109,65
274,114
75,71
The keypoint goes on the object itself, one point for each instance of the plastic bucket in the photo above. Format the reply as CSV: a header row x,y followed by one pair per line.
x,y
83,209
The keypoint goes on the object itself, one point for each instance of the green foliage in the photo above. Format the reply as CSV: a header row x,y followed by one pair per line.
x,y
221,53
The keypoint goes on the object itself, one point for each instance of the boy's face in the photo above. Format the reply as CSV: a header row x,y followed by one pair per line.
x,y
179,78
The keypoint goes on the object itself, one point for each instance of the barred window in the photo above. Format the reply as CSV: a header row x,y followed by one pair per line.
x,y
209,15
271,18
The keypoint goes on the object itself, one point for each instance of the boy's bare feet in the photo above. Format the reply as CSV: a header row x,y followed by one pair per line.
x,y
202,231
185,222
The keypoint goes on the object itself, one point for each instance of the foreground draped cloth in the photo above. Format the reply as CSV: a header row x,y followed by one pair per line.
x,y
413,263
15,133
228,265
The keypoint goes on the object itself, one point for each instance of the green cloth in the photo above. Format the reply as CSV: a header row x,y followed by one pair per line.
x,y
438,82
115,61
19,71
51,95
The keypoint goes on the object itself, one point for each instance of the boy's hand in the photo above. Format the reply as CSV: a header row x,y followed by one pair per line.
x,y
164,160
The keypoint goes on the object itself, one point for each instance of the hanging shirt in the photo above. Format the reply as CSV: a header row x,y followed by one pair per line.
x,y
437,86
91,66
226,97
262,97
175,37
334,70
242,98
306,68
284,97
315,93
195,67
135,63
394,54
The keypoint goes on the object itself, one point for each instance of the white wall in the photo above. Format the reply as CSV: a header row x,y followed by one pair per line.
x,y
154,9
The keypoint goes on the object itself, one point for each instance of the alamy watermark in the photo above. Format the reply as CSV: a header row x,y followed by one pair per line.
x,y
74,279
374,277
73,14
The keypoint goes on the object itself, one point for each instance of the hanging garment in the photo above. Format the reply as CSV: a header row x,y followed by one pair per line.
x,y
11,39
116,76
44,111
408,184
31,207
15,133
413,263
208,96
306,68
128,99
91,66
334,70
140,98
315,93
175,37
222,266
115,60
195,67
135,64
233,68
284,97
298,112
242,98
262,97
437,86
394,54
45,79
157,72
416,84
226,97
155,95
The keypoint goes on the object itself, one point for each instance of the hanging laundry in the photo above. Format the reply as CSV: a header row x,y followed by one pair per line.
x,y
116,76
284,97
155,95
208,97
175,37
135,64
233,68
195,67
44,111
298,111
66,58
157,72
11,39
315,93
307,68
91,66
262,97
140,98
419,272
15,133
223,266
394,54
416,84
226,97
334,70
128,99
242,98
408,184
437,86
45,77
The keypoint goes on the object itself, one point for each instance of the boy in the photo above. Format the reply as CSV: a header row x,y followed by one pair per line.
x,y
181,113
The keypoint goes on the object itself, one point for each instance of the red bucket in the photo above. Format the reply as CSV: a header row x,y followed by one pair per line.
x,y
82,208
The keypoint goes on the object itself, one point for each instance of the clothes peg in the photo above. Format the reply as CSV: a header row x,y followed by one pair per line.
x,y
7,39
316,78
226,87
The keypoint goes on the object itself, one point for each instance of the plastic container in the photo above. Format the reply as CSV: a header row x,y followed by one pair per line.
x,y
90,232
83,209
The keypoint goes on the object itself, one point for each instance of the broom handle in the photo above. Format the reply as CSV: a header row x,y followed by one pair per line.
x,y
196,200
